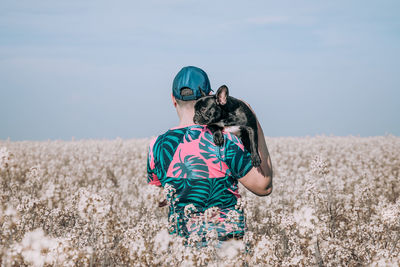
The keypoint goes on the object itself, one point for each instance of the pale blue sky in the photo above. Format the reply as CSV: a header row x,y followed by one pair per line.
x,y
104,69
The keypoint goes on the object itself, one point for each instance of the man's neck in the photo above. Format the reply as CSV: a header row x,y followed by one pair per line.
x,y
185,122
186,118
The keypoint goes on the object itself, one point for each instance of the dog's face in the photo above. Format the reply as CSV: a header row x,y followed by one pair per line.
x,y
208,109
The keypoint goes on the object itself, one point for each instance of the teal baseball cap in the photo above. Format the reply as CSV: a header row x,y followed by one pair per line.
x,y
193,78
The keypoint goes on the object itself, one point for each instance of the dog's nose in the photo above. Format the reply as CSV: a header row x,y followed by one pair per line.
x,y
197,119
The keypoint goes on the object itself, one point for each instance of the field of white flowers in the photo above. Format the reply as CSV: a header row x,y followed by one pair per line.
x,y
336,202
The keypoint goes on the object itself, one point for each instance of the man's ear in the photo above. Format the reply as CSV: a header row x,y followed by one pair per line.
x,y
222,95
173,100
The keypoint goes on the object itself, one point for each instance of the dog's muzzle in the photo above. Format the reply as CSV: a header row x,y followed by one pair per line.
x,y
197,118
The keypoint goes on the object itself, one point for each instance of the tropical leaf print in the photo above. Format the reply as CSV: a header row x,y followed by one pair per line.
x,y
237,159
179,184
193,133
190,167
211,151
207,193
165,147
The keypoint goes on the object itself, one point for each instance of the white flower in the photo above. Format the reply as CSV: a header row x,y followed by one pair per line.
x,y
35,248
48,192
230,249
305,219
240,204
212,215
390,215
34,172
169,192
287,221
5,157
319,166
169,189
189,209
91,205
233,216
194,238
211,234
162,240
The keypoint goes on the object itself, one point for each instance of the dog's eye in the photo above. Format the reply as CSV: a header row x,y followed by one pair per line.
x,y
203,109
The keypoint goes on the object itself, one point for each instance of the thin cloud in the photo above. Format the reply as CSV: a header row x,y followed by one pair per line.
x,y
268,20
254,21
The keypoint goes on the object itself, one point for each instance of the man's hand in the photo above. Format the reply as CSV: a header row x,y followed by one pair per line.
x,y
162,203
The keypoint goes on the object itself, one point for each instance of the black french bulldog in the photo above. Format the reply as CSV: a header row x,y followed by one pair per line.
x,y
221,111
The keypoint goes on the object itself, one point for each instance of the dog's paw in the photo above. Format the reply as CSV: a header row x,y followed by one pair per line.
x,y
255,160
218,139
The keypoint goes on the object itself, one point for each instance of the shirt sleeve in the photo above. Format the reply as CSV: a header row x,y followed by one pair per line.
x,y
237,158
151,176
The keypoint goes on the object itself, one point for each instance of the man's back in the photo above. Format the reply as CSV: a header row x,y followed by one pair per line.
x,y
202,180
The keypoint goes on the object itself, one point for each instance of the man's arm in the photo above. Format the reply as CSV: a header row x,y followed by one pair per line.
x,y
151,176
266,166
259,180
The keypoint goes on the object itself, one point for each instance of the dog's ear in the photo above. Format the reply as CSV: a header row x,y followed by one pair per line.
x,y
222,95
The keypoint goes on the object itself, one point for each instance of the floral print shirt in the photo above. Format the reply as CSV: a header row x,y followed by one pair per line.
x,y
201,180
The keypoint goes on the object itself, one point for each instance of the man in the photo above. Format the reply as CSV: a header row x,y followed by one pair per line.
x,y
201,178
